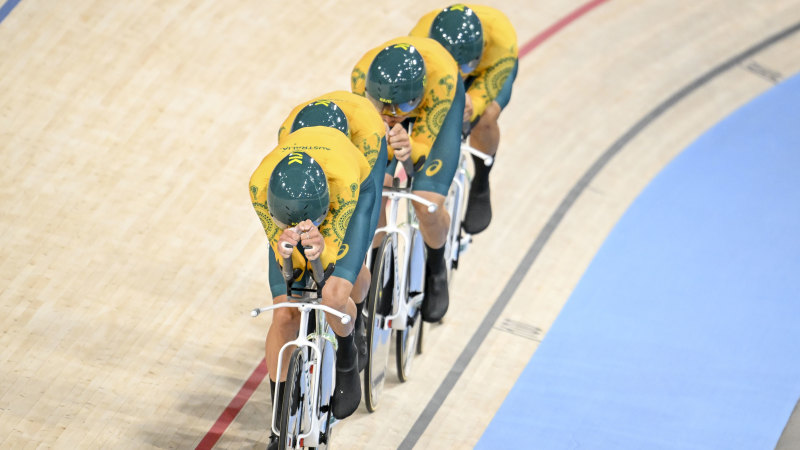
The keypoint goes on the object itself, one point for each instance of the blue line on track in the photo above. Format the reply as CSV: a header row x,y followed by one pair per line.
x,y
5,10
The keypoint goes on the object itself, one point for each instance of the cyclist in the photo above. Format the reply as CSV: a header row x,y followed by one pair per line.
x,y
354,116
484,43
305,192
414,79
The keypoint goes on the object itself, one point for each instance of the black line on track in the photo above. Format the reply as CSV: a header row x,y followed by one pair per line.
x,y
527,261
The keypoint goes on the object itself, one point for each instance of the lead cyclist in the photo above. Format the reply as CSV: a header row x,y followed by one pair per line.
x,y
483,42
306,194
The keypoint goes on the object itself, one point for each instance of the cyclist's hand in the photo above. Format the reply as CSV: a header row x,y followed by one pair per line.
x,y
287,241
399,140
467,108
311,239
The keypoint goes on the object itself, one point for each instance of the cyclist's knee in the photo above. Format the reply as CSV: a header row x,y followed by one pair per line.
x,y
336,293
489,118
285,318
423,215
361,286
433,225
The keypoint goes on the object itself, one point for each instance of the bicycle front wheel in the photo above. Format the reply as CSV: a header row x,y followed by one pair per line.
x,y
295,417
380,303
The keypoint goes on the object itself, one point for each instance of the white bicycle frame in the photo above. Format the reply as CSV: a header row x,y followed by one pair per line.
x,y
398,320
305,305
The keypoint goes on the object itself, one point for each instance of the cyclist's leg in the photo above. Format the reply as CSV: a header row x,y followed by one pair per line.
x,y
336,294
347,392
357,241
485,133
353,250
339,286
485,136
360,290
437,296
284,327
285,322
432,182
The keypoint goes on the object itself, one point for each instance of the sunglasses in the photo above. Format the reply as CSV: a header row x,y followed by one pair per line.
x,y
467,68
391,109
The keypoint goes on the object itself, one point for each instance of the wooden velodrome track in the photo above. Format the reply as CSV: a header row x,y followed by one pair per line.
x,y
131,255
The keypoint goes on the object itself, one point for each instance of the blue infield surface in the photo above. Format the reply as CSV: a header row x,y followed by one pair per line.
x,y
685,330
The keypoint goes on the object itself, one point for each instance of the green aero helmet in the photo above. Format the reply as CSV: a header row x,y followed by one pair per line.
x,y
298,190
321,113
397,77
459,30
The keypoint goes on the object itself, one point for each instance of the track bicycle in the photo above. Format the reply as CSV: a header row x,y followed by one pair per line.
x,y
396,291
307,418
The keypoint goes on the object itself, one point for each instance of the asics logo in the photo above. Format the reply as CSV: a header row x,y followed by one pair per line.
x,y
434,168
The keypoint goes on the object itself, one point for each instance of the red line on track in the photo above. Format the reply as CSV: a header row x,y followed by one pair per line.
x,y
234,407
252,383
558,26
